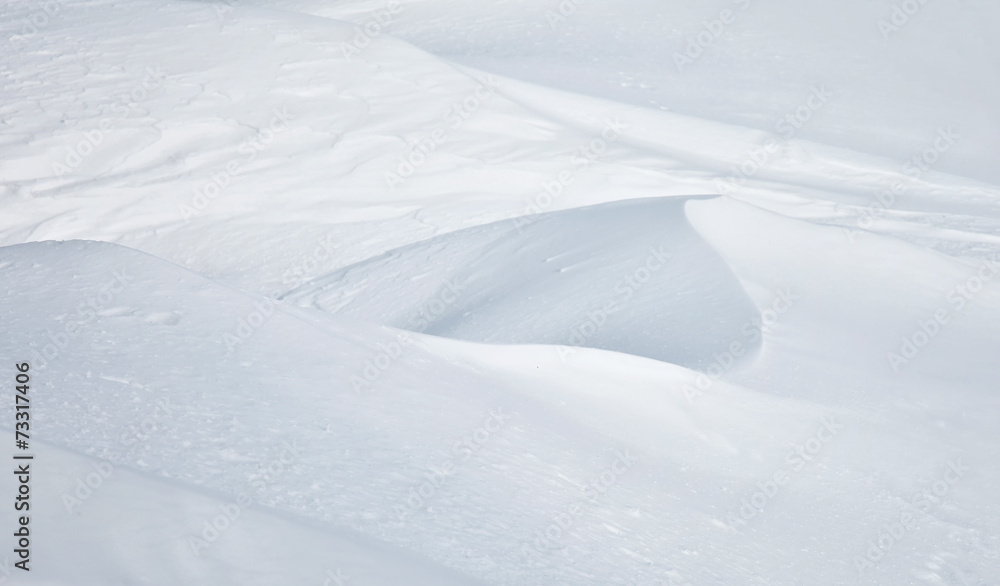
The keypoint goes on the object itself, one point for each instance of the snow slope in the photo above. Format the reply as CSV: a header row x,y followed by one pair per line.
x,y
173,152
130,528
896,71
225,239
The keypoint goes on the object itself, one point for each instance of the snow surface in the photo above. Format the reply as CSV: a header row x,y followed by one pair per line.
x,y
485,298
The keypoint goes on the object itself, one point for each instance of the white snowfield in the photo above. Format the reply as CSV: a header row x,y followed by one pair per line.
x,y
306,304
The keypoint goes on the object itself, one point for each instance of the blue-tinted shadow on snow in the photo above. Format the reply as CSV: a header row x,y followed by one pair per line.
x,y
630,276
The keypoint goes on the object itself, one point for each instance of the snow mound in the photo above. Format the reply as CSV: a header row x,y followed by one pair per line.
x,y
422,442
629,276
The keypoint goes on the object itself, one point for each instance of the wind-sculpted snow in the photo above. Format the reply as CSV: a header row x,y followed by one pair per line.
x,y
629,276
643,383
419,441
495,461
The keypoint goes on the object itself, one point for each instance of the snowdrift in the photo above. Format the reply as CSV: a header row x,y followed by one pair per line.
x,y
443,395
629,276
318,425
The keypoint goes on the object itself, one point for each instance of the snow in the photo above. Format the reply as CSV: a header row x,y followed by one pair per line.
x,y
479,297
629,276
